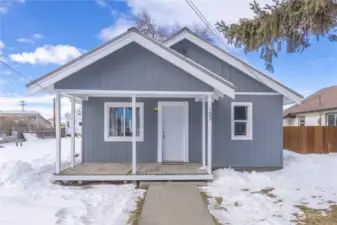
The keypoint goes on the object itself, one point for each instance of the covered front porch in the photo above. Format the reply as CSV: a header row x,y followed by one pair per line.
x,y
161,168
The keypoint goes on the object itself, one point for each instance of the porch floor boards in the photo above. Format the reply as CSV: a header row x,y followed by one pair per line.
x,y
142,169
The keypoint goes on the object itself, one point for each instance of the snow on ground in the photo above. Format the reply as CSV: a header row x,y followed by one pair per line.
x,y
28,197
309,180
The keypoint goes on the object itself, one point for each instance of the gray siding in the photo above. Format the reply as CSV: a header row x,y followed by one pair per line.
x,y
265,150
96,150
242,82
133,68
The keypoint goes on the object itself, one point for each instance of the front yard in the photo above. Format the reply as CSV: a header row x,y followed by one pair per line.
x,y
304,192
27,196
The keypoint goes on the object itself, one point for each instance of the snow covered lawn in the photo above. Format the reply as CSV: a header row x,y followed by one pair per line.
x,y
269,198
27,196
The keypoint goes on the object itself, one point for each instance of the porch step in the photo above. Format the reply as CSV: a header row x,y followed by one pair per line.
x,y
178,204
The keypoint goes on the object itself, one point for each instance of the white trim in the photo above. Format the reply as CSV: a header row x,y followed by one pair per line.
x,y
237,63
72,114
129,93
257,93
134,131
249,135
203,131
131,177
209,133
161,104
58,131
108,105
192,68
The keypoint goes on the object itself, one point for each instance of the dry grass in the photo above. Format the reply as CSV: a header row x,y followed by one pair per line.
x,y
316,216
205,199
135,214
266,191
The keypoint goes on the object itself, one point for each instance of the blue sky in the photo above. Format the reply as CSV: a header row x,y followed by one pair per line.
x,y
38,36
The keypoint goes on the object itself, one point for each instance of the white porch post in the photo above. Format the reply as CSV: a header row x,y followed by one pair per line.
x,y
134,156
209,134
72,154
203,131
58,131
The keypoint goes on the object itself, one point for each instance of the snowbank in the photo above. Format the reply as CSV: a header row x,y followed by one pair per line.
x,y
26,193
270,197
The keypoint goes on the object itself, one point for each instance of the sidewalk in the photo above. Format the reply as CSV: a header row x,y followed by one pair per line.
x,y
178,204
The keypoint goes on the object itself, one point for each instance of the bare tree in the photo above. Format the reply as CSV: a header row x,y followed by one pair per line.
x,y
146,25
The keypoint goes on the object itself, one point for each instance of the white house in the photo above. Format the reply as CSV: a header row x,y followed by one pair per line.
x,y
319,109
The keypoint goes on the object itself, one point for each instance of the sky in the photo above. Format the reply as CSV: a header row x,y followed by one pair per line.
x,y
37,36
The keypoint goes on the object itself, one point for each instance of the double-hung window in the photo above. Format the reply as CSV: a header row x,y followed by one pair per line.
x,y
331,119
242,121
118,121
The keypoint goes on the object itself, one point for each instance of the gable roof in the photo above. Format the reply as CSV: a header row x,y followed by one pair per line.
x,y
130,36
186,34
324,99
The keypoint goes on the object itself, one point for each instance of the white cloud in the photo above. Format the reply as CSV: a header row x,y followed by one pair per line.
x,y
3,10
48,54
117,28
25,40
2,45
5,72
169,12
5,5
37,36
31,39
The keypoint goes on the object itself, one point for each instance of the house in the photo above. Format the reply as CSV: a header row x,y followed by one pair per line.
x,y
319,109
22,121
167,111
78,123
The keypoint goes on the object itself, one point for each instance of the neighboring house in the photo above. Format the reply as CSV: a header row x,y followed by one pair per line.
x,y
22,120
319,109
78,123
184,107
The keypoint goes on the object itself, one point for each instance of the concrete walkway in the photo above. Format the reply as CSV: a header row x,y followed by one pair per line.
x,y
178,204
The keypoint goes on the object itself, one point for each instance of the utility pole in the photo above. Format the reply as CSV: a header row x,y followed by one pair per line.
x,y
22,104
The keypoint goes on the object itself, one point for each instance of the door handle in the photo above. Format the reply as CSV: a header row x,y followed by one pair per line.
x,y
163,134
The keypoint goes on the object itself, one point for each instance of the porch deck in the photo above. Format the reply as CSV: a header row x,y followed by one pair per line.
x,y
145,171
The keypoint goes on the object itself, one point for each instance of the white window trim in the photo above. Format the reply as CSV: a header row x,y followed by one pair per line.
x,y
249,135
107,106
329,114
299,121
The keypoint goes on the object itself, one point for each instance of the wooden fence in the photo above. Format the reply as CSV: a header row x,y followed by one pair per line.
x,y
305,140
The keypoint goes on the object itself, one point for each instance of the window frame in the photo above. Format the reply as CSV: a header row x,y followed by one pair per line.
x,y
335,118
107,106
249,135
299,121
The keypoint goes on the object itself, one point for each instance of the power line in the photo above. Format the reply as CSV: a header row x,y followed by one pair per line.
x,y
17,72
215,33
205,21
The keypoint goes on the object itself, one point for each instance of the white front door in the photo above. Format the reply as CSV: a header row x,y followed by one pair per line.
x,y
174,131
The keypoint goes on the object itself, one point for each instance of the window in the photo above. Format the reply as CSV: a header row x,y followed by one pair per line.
x,y
242,117
118,121
331,119
301,121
